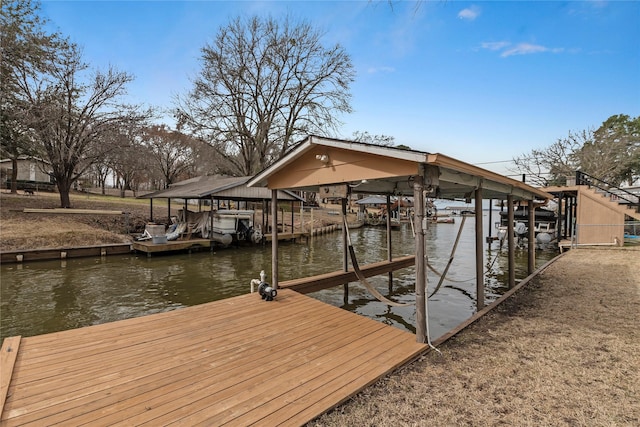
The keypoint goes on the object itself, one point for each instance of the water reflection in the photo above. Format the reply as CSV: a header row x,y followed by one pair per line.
x,y
43,297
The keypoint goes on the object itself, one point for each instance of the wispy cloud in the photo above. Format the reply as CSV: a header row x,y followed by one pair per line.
x,y
495,45
527,49
374,70
507,49
470,13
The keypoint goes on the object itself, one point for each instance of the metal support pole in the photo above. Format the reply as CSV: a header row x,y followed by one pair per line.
x,y
274,239
511,249
560,213
389,256
345,249
489,239
531,264
479,251
421,279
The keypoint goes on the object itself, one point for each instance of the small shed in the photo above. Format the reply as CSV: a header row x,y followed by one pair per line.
x,y
333,167
32,173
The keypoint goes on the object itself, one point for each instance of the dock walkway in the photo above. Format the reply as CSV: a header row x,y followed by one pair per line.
x,y
238,361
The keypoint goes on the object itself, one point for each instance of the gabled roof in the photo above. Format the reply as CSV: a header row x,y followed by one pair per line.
x,y
372,200
218,187
374,169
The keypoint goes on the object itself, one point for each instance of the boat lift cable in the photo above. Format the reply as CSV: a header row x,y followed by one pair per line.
x,y
453,251
443,275
360,275
426,305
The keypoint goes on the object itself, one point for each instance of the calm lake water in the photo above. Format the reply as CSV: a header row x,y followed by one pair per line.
x,y
42,297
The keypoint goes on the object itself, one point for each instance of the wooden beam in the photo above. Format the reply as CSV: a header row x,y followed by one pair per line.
x,y
274,239
8,356
531,262
421,277
319,282
479,251
73,211
389,256
511,247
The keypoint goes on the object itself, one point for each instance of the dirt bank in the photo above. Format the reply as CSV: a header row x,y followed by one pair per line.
x,y
563,351
20,231
23,231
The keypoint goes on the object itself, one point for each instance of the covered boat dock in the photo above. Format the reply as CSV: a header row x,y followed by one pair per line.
x,y
334,168
221,196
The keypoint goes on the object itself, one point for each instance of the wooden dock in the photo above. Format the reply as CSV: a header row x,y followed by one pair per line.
x,y
239,361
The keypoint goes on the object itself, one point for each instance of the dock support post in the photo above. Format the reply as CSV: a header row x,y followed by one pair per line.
x,y
274,239
479,250
421,281
510,243
489,238
531,264
345,250
389,257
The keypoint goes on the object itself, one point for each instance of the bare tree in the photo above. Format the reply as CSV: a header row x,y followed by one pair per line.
x,y
71,119
24,49
552,165
367,138
263,85
170,152
610,153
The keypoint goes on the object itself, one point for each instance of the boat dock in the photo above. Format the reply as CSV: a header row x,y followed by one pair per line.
x,y
238,361
148,247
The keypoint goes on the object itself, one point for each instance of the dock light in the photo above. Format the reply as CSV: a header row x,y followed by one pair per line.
x,y
323,158
267,292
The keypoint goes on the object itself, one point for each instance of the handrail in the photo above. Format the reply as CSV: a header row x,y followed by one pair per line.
x,y
583,178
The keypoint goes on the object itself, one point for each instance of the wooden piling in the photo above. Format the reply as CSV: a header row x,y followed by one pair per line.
x,y
511,243
479,251
421,278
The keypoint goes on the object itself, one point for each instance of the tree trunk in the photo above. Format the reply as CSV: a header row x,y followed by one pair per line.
x,y
65,202
64,188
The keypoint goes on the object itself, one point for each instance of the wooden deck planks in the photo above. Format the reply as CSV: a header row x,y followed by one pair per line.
x,y
8,356
237,361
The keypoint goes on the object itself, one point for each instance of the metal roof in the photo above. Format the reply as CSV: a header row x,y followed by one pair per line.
x,y
218,187
374,169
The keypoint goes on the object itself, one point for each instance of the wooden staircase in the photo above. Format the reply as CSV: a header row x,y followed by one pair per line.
x,y
595,212
626,202
614,201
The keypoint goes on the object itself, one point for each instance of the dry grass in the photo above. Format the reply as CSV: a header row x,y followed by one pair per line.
x,y
52,232
23,231
563,351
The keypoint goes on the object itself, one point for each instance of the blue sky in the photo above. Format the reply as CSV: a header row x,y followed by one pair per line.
x,y
479,81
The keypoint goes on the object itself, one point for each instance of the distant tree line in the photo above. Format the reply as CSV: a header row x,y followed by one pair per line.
x,y
610,153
